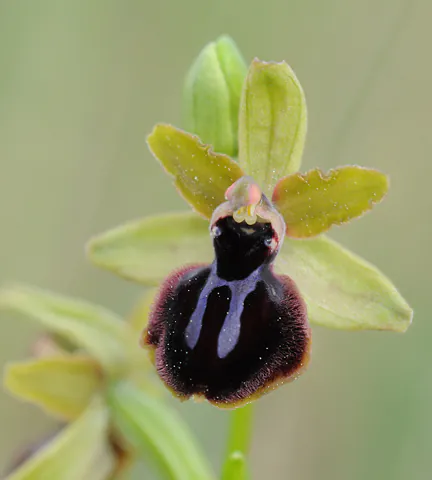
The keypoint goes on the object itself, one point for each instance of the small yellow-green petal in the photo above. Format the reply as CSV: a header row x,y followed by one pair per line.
x,y
62,385
80,452
104,335
273,122
312,202
152,426
200,175
147,250
342,290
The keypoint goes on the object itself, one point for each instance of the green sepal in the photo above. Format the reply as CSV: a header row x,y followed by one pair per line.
x,y
81,451
273,123
312,202
342,290
147,250
153,427
200,175
62,385
211,95
105,336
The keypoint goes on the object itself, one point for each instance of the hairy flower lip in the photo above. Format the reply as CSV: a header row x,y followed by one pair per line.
x,y
168,353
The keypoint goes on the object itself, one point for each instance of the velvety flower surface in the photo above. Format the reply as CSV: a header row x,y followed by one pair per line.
x,y
230,319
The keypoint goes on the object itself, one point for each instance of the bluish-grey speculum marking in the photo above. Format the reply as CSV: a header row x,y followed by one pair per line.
x,y
230,332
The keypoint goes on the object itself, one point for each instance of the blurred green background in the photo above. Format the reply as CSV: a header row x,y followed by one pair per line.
x,y
81,84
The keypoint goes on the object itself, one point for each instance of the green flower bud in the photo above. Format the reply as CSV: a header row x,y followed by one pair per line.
x,y
211,97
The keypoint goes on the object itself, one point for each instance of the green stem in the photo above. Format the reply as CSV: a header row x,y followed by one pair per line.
x,y
240,431
239,440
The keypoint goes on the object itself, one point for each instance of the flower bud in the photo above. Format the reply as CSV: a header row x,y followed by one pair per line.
x,y
211,96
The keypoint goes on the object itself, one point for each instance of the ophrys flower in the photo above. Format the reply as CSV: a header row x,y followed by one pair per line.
x,y
233,328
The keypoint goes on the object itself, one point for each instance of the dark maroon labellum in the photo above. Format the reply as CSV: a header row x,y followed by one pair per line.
x,y
233,330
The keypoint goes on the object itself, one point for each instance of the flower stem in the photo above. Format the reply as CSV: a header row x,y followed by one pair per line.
x,y
239,440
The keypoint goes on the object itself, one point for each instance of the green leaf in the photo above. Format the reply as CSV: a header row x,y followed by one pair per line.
x,y
200,175
101,333
152,427
81,451
312,202
211,95
342,290
63,385
273,123
148,250
235,467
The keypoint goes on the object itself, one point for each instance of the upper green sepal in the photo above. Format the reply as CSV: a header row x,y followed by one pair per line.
x,y
211,95
312,202
200,175
272,124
